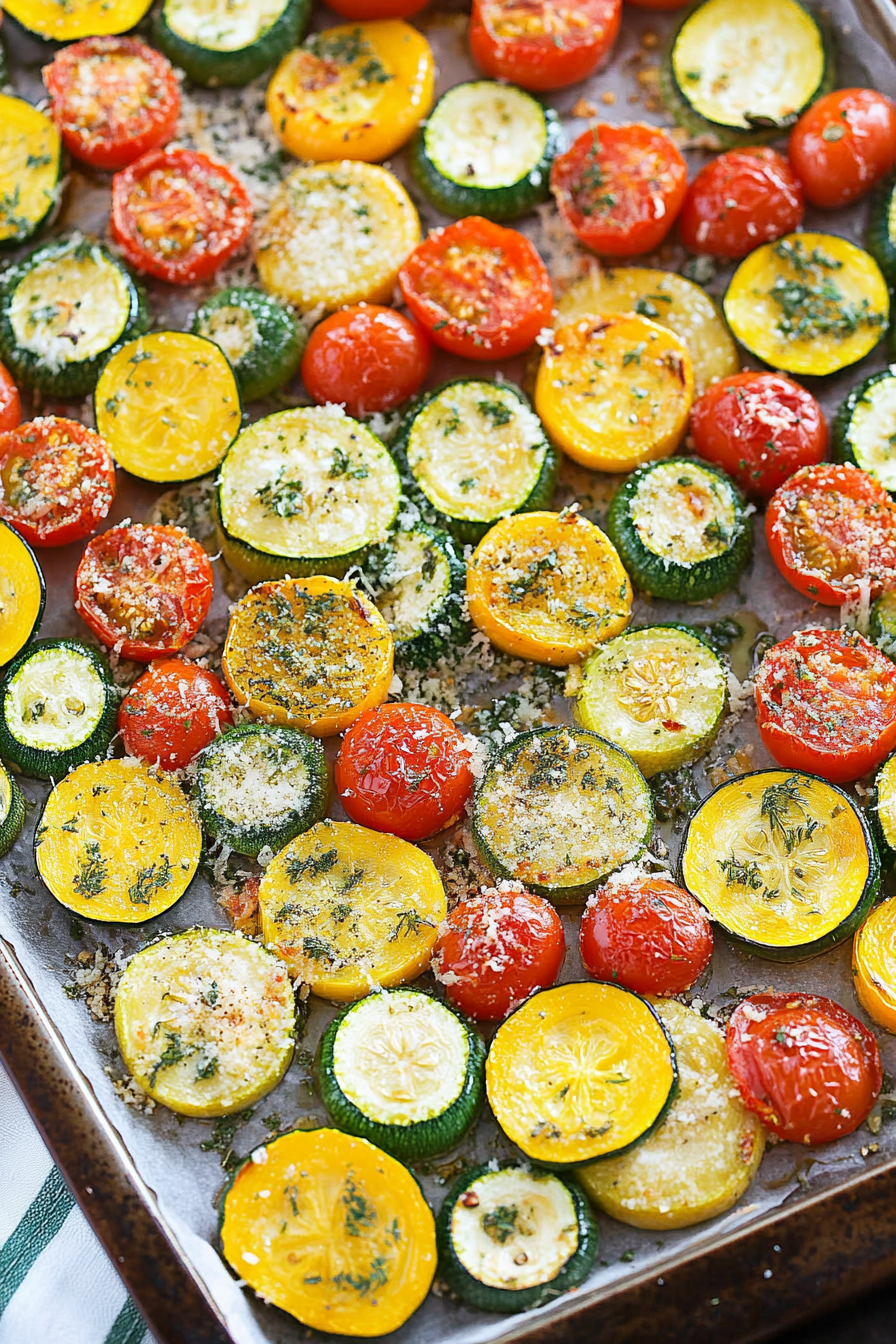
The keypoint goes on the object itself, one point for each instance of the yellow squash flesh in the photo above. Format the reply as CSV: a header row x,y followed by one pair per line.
x,y
68,20
21,593
874,965
30,152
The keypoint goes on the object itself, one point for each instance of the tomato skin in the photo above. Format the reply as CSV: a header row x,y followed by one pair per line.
x,y
368,358
179,215
10,402
497,948
144,589
523,43
760,428
404,769
363,10
843,145
172,711
620,188
648,935
808,1068
739,200
68,477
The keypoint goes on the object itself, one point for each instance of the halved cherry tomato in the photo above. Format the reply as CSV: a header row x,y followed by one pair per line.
x,y
404,769
620,188
760,428
10,402
497,948
368,358
172,712
739,200
114,98
376,9
648,935
57,480
844,144
144,589
826,703
542,44
829,527
478,289
808,1068
179,215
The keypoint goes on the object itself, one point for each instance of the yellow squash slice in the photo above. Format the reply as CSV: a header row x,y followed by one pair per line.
x,y
22,593
67,20
30,156
874,965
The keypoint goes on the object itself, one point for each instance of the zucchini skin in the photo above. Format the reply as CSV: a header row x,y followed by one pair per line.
x,y
212,69
882,624
448,627
278,353
878,239
12,823
842,448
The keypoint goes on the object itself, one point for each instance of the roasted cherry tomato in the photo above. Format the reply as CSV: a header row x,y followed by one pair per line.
x,y
144,590
542,44
114,98
826,704
367,358
10,402
172,712
57,480
648,935
404,769
478,289
760,428
844,144
739,200
808,1068
830,527
179,215
619,188
497,948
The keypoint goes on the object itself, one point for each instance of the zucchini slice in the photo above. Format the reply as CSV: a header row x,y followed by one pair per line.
x,y
205,1021
168,406
403,1070
332,1230
615,391
485,149
260,785
58,707
512,1238
681,529
659,693
881,237
548,586
418,580
864,428
874,965
23,593
259,335
882,623
117,843
68,20
218,43
457,484
351,910
580,1072
12,810
703,1156
759,853
30,165
810,303
883,811
560,808
309,653
305,491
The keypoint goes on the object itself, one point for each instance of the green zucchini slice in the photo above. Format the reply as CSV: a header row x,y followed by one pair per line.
x,y
30,169
217,42
486,149
257,333
12,810
558,809
404,1071
883,810
306,491
260,785
23,593
864,428
512,1238
882,624
205,1021
759,854
62,310
681,529
474,452
58,708
419,584
881,239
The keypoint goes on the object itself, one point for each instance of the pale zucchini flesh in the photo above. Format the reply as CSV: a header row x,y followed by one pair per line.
x,y
220,25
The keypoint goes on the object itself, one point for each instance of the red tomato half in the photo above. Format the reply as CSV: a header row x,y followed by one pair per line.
x,y
57,480
826,703
404,769
760,428
179,215
542,44
648,935
843,145
619,188
144,590
368,358
739,200
830,526
496,949
114,98
10,402
172,712
478,289
376,9
808,1068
